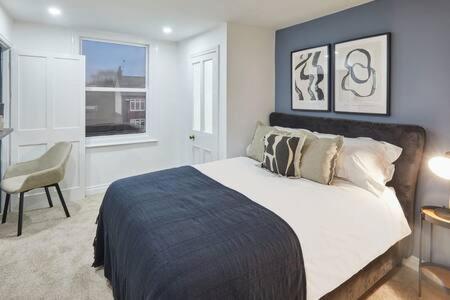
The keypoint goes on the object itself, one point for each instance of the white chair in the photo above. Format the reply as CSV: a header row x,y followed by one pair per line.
x,y
44,172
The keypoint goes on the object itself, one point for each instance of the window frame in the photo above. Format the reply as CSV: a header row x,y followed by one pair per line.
x,y
130,138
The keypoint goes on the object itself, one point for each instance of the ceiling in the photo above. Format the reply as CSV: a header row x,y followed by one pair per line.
x,y
186,17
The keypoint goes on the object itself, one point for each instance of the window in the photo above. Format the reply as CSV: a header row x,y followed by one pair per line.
x,y
137,104
138,122
116,88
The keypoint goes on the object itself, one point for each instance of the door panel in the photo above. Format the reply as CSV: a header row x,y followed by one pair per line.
x,y
47,106
205,107
30,152
197,96
66,113
196,155
208,96
32,92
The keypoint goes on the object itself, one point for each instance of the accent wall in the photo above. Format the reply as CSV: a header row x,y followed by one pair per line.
x,y
420,79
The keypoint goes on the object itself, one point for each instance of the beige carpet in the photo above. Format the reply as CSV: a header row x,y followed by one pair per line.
x,y
52,259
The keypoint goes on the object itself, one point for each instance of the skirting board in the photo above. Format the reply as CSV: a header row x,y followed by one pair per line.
x,y
36,199
96,189
412,262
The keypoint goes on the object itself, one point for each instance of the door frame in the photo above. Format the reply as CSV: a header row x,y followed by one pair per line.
x,y
5,45
212,50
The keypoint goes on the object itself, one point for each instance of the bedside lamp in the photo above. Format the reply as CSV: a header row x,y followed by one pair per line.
x,y
440,165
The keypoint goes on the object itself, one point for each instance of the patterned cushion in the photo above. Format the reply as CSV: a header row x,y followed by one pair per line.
x,y
282,154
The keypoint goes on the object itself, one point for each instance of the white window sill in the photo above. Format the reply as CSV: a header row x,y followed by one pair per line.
x,y
100,142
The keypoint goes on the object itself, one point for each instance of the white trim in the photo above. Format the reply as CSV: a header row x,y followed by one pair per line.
x,y
6,99
113,89
111,41
4,42
97,143
204,52
412,262
97,189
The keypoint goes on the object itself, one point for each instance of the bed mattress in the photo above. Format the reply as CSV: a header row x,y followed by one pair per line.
x,y
341,227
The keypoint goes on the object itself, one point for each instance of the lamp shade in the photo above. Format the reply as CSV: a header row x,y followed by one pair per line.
x,y
440,165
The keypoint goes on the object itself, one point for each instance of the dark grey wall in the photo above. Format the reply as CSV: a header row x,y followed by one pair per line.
x,y
420,76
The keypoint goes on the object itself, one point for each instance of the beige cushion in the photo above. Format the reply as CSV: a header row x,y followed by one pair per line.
x,y
46,170
256,149
319,158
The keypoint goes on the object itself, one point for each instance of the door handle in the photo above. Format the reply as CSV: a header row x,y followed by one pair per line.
x,y
192,137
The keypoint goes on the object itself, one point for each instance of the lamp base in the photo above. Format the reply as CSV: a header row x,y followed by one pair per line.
x,y
443,212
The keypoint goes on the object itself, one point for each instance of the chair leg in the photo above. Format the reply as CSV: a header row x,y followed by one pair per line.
x,y
5,209
19,225
48,197
62,200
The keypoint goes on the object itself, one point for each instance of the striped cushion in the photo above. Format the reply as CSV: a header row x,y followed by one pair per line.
x,y
282,154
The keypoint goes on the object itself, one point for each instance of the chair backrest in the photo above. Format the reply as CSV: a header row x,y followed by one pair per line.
x,y
57,156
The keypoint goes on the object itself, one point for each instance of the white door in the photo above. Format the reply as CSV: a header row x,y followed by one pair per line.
x,y
47,106
205,107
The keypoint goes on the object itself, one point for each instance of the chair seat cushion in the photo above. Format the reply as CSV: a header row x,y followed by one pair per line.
x,y
14,185
23,183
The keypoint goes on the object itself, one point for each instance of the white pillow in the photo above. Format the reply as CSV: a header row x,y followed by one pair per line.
x,y
366,163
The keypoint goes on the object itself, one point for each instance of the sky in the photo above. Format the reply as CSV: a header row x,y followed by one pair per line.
x,y
102,56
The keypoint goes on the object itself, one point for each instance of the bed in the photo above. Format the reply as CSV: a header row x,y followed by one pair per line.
x,y
231,230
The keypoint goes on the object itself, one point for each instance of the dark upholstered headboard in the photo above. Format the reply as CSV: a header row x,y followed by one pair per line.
x,y
410,138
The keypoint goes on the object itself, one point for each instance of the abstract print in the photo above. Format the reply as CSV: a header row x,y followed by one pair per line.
x,y
310,79
282,154
361,73
314,76
361,85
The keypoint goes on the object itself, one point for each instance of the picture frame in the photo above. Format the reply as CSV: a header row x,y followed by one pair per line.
x,y
361,75
311,79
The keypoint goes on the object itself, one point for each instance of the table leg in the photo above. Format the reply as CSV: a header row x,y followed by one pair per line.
x,y
420,257
431,242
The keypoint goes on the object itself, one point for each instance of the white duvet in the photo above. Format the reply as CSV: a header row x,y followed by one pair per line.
x,y
341,227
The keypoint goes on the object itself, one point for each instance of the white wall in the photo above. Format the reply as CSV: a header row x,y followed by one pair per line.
x,y
187,48
5,26
36,37
246,66
250,83
106,164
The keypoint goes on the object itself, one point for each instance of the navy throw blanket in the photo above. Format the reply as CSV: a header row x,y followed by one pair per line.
x,y
178,234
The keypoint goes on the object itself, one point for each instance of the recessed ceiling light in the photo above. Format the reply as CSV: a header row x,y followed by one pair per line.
x,y
167,30
54,11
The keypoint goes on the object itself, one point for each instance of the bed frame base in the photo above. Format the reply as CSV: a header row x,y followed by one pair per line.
x,y
363,282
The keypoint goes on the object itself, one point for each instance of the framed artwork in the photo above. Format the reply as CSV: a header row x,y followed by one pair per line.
x,y
362,75
310,79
